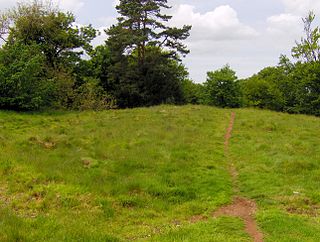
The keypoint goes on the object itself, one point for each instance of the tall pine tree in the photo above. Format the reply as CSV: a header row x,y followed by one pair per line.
x,y
145,50
142,24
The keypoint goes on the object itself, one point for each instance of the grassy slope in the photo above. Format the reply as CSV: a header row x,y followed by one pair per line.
x,y
278,158
151,171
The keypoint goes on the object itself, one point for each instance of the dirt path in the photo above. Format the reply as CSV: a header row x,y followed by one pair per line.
x,y
241,207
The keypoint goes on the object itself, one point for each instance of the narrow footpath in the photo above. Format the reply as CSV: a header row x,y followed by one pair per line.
x,y
241,207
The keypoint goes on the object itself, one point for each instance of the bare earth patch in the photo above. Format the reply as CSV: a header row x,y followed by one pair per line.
x,y
241,207
244,209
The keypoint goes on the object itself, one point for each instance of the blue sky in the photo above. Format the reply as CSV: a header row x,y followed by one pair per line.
x,y
247,34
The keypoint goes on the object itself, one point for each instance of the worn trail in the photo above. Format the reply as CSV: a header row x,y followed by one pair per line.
x,y
241,207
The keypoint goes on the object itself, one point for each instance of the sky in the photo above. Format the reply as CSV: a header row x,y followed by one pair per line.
x,y
246,34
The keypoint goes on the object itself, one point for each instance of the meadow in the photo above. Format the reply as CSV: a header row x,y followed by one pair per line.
x,y
156,174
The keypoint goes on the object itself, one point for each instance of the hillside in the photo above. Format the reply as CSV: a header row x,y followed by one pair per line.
x,y
157,174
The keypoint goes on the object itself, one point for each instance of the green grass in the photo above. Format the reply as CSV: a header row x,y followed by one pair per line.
x,y
278,158
146,174
115,175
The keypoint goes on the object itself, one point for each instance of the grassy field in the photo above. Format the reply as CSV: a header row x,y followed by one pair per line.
x,y
156,174
278,159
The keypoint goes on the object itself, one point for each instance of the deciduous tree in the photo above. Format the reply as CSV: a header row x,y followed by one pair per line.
x,y
222,89
308,49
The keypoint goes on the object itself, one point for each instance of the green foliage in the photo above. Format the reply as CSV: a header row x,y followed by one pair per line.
x,y
307,88
222,89
264,89
292,88
50,71
100,63
161,78
91,96
141,24
141,73
133,68
54,31
23,85
193,93
155,81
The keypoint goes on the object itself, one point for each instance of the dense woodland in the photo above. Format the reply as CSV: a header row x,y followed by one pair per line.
x,y
48,62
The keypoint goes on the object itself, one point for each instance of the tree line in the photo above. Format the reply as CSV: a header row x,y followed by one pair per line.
x,y
292,87
47,61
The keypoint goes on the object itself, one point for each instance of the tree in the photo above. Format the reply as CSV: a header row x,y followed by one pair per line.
x,y
141,72
306,73
54,31
308,49
59,42
290,87
306,88
142,24
222,89
23,85
262,93
161,79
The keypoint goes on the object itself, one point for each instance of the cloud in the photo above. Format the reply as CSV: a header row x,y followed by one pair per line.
x,y
301,7
70,5
220,24
287,27
284,24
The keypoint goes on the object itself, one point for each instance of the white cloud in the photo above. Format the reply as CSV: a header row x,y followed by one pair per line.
x,y
301,7
70,5
218,25
284,24
290,21
283,29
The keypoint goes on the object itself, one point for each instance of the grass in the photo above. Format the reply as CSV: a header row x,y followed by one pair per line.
x,y
113,176
156,174
277,156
